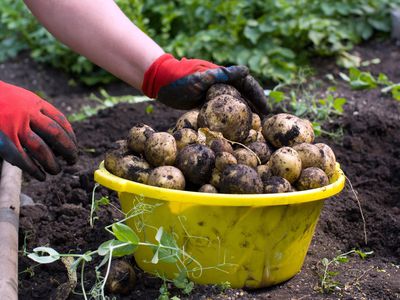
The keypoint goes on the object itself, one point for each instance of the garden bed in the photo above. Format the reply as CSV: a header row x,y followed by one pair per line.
x,y
369,154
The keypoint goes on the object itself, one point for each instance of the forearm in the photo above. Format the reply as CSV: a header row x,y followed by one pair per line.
x,y
100,31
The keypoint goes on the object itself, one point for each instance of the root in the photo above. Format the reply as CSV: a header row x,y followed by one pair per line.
x,y
361,211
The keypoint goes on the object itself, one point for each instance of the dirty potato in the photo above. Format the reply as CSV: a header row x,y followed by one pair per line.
x,y
328,159
227,115
196,162
184,137
255,122
285,162
240,179
121,278
262,150
309,154
215,179
287,130
246,157
138,136
221,145
276,184
160,149
187,120
168,177
312,178
221,89
224,159
264,171
126,166
208,188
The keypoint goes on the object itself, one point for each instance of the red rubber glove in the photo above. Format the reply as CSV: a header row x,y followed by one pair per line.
x,y
30,130
182,84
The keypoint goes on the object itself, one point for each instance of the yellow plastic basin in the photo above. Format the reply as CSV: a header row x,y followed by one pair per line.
x,y
250,241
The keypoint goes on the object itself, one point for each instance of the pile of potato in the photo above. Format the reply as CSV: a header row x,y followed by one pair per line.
x,y
225,147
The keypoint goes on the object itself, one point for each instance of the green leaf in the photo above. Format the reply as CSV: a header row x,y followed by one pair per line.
x,y
325,262
277,96
396,92
125,234
52,255
118,248
338,104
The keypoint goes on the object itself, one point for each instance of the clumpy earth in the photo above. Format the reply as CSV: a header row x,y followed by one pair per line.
x,y
368,151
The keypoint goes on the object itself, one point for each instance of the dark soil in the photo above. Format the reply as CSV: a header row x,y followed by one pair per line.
x,y
369,153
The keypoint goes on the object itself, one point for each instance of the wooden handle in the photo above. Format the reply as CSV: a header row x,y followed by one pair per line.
x,y
10,189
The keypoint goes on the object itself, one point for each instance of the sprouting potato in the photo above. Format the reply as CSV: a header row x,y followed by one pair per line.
x,y
160,149
187,120
196,162
285,162
208,188
246,157
255,122
262,150
309,154
221,145
276,184
228,115
168,177
184,137
240,179
138,136
219,89
287,130
328,159
223,159
312,178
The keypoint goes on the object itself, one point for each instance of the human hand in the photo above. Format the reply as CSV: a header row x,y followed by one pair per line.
x,y
182,84
33,132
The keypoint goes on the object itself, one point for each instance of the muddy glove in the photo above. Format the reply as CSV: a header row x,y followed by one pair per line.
x,y
182,84
33,132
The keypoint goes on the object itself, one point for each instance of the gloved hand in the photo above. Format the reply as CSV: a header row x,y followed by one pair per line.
x,y
182,84
32,132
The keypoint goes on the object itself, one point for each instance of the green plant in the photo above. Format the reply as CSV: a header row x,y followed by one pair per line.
x,y
271,37
328,283
104,101
360,80
125,242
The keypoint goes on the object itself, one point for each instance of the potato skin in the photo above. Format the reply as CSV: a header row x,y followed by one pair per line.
x,y
255,122
138,136
262,150
228,115
276,184
187,120
309,154
240,179
246,157
264,171
287,130
196,162
208,188
160,149
285,162
184,137
215,179
128,167
121,279
312,178
328,159
168,177
219,89
220,145
223,159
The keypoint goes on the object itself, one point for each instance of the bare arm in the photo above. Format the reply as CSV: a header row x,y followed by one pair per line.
x,y
100,31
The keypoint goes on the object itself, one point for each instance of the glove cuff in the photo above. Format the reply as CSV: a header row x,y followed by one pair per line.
x,y
155,77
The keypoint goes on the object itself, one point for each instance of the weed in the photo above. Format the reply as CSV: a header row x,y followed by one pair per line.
x,y
328,283
125,242
360,80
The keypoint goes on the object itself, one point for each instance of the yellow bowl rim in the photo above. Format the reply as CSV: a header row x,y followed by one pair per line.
x,y
120,185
